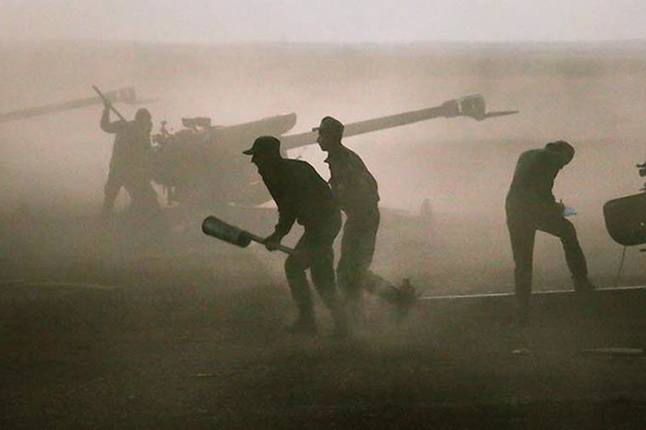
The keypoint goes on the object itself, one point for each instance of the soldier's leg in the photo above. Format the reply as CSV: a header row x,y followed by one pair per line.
x,y
367,240
348,276
562,228
111,190
322,269
522,235
357,249
142,194
295,266
365,244
323,279
149,195
345,267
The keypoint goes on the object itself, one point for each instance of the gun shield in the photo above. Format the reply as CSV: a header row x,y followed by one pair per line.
x,y
626,219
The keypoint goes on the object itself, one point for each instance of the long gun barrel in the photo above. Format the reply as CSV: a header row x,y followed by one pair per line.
x,y
125,95
472,106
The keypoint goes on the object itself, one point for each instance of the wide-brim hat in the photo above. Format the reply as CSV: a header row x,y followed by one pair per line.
x,y
330,124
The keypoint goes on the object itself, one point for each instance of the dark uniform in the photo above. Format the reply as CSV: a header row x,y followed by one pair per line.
x,y
129,165
303,196
355,189
531,206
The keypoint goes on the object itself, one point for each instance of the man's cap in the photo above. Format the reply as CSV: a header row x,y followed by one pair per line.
x,y
560,145
330,124
143,114
264,145
563,147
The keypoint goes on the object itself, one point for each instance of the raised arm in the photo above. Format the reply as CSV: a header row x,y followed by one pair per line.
x,y
106,125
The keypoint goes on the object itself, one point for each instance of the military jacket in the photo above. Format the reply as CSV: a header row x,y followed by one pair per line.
x,y
131,149
353,186
533,180
301,195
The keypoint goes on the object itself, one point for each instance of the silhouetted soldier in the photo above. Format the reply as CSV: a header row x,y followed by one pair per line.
x,y
129,165
531,206
356,192
302,196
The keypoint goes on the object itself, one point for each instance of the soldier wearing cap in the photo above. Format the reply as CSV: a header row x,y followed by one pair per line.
x,y
302,196
356,191
129,165
531,206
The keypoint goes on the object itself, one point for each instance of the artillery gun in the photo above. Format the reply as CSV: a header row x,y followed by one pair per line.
x,y
202,164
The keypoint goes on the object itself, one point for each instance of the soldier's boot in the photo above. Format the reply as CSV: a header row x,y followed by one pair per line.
x,y
341,322
110,193
305,324
583,289
404,298
354,312
353,308
339,315
583,285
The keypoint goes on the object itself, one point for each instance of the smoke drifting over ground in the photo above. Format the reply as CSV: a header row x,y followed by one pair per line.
x,y
137,323
587,94
584,94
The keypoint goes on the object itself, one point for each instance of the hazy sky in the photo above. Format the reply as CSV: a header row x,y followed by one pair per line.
x,y
217,21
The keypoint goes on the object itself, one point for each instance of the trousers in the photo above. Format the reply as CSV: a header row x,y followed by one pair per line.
x,y
139,189
314,252
522,226
357,252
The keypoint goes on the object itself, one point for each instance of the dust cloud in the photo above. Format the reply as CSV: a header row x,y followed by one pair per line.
x,y
588,94
135,322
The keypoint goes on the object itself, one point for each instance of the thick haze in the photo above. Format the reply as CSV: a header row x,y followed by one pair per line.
x,y
188,59
336,21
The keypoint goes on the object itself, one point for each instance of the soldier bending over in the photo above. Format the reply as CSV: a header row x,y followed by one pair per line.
x,y
531,206
302,196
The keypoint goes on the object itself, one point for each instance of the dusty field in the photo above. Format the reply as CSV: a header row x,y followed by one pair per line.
x,y
164,335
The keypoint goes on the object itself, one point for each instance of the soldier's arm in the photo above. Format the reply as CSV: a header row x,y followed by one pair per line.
x,y
551,161
286,219
548,201
106,125
340,177
286,213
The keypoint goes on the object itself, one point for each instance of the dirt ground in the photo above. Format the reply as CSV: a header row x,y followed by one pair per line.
x,y
170,336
